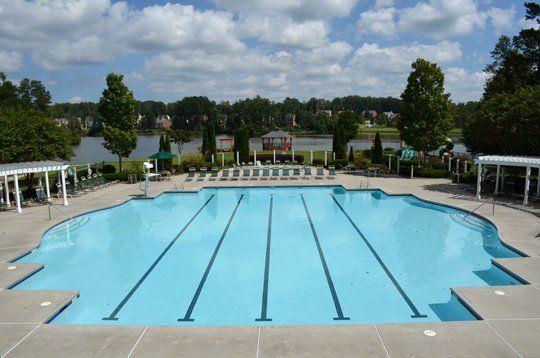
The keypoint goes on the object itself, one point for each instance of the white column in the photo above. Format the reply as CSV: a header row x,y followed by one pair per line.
x,y
213,158
390,162
254,157
311,157
497,179
457,166
1,194
155,162
237,158
449,164
47,189
222,159
398,160
325,158
274,156
465,166
6,191
412,171
478,181
64,193
333,156
293,156
17,195
527,184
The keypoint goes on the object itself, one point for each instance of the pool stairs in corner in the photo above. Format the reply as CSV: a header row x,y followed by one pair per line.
x,y
69,225
470,221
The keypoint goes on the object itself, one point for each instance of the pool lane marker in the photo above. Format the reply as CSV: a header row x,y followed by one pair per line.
x,y
187,316
264,303
112,316
416,314
339,312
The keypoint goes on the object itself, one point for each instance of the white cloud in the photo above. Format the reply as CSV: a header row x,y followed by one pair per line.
x,y
383,3
76,99
10,61
378,22
442,18
502,18
464,86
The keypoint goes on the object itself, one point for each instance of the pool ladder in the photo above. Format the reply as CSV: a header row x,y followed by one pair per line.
x,y
479,206
60,210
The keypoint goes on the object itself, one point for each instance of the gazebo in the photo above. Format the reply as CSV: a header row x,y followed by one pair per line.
x,y
16,169
277,140
502,161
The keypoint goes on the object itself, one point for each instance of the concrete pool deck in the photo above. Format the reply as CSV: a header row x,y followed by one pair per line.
x,y
510,324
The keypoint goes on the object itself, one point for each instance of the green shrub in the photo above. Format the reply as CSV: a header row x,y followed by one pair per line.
x,y
108,169
430,172
340,163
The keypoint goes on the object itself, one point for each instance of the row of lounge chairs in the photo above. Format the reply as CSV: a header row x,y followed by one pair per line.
x,y
85,185
264,173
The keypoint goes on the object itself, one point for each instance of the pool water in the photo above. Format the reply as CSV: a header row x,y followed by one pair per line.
x,y
268,256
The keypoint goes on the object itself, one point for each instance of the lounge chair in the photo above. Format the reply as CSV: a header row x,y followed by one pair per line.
x,y
235,174
265,174
41,197
307,173
191,174
331,172
295,173
214,174
224,175
245,174
320,172
275,173
285,174
256,173
202,174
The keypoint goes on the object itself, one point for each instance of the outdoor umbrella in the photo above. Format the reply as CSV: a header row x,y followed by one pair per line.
x,y
161,155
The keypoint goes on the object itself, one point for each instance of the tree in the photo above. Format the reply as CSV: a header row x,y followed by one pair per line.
x,y
167,163
425,109
351,155
117,107
241,143
347,122
338,142
180,137
377,151
506,124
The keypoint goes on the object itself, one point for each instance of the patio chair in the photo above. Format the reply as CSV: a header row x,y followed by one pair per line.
x,y
307,173
265,174
320,172
41,197
245,174
202,174
224,175
191,174
285,174
295,173
331,172
236,174
214,174
256,173
275,173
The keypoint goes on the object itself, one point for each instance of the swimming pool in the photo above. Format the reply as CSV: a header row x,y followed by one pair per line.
x,y
268,256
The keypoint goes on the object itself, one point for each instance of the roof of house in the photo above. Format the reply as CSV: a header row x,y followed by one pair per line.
x,y
277,134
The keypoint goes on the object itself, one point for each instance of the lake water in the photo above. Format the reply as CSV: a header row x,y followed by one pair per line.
x,y
91,149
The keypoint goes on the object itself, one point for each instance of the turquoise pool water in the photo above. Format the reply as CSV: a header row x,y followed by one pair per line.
x,y
275,256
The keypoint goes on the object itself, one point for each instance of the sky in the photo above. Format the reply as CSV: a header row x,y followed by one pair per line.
x,y
234,49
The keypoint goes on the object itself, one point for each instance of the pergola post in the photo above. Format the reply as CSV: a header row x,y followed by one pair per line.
x,y
237,158
497,180
503,178
47,189
449,164
325,158
17,195
64,194
390,162
465,166
292,154
6,191
478,181
311,157
274,156
527,184
254,157
222,159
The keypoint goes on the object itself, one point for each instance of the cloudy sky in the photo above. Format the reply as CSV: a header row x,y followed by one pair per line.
x,y
230,49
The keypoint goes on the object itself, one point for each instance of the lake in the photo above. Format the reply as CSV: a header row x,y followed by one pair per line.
x,y
91,149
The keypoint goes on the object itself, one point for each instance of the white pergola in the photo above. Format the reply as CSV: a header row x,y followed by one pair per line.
x,y
16,169
502,161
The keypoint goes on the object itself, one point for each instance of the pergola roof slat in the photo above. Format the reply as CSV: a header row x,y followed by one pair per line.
x,y
509,160
31,167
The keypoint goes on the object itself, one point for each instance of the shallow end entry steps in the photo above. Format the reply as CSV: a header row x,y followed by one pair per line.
x,y
112,316
187,316
340,316
416,314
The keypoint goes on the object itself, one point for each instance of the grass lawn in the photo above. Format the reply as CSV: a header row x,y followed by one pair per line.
x,y
390,132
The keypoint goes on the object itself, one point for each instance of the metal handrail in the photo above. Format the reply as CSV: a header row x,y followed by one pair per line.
x,y
60,210
479,206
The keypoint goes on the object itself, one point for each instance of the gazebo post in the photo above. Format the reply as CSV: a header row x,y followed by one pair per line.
x,y
478,181
6,191
47,189
64,194
17,195
497,180
527,184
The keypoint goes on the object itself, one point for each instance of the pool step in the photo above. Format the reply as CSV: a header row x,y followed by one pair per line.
x,y
69,225
13,273
470,221
501,302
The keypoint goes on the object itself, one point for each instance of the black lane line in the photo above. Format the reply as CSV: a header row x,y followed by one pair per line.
x,y
264,303
417,314
113,317
187,316
339,312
